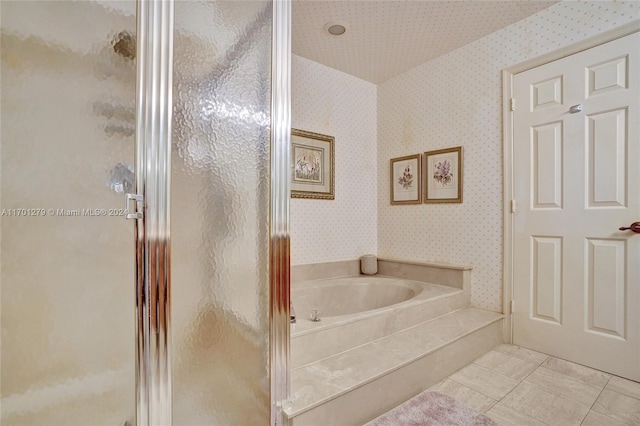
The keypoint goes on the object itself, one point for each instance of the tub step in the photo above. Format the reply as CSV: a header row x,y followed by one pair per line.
x,y
311,342
355,386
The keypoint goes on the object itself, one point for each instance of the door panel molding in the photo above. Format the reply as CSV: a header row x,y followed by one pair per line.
x,y
606,130
546,155
606,306
546,279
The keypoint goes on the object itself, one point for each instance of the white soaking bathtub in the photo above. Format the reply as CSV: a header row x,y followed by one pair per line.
x,y
345,296
356,310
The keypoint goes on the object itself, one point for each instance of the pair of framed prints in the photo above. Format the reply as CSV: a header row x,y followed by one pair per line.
x,y
432,177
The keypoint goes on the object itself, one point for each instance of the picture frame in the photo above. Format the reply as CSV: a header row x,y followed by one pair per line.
x,y
312,165
443,175
405,179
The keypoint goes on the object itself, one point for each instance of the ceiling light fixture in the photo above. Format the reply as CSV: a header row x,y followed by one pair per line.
x,y
335,28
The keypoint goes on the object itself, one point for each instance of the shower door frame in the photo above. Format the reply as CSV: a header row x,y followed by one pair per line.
x,y
279,237
152,210
154,106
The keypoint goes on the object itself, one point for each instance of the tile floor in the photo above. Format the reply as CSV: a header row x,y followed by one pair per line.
x,y
519,387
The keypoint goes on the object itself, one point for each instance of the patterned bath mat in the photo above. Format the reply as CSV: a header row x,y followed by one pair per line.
x,y
432,409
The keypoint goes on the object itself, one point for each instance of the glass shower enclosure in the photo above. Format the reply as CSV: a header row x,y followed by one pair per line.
x,y
144,197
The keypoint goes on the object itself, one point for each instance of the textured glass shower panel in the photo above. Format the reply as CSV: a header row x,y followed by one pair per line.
x,y
67,254
220,212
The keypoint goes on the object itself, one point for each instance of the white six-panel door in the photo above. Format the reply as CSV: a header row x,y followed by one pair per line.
x,y
576,181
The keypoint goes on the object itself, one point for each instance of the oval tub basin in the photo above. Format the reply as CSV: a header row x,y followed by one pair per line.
x,y
351,296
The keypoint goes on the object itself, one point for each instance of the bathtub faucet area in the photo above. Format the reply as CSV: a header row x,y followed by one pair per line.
x,y
315,315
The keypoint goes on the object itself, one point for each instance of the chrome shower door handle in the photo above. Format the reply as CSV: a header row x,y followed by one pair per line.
x,y
138,199
634,227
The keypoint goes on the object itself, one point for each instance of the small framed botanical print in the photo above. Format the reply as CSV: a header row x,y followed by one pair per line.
x,y
443,176
406,181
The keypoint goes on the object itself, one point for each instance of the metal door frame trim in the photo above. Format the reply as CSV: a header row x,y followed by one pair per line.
x,y
154,106
279,243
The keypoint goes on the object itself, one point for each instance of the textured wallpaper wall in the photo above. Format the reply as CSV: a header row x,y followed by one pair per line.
x,y
334,103
456,100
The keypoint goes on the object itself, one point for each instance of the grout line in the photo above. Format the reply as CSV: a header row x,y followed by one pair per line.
x,y
520,382
491,406
596,400
522,357
494,372
620,392
484,411
566,398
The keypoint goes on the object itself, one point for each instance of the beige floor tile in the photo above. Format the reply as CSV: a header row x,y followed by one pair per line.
x,y
507,365
484,381
466,395
586,374
547,407
437,385
505,416
596,419
520,352
624,386
561,384
621,407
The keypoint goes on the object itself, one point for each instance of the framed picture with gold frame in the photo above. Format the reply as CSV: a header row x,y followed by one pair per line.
x,y
443,176
405,180
312,165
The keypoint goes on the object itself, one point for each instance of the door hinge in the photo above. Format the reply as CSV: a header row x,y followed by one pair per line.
x,y
512,307
513,206
513,104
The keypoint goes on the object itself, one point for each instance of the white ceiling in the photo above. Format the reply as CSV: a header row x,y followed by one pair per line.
x,y
387,38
